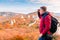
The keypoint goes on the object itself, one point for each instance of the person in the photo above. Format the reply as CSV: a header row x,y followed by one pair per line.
x,y
44,26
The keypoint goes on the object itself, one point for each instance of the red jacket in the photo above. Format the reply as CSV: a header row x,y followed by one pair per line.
x,y
47,22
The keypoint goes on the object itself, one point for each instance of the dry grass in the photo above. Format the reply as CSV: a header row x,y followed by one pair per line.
x,y
19,34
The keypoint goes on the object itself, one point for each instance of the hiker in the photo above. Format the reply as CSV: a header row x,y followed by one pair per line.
x,y
45,27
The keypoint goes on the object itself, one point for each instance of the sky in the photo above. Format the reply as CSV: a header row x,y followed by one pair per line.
x,y
28,6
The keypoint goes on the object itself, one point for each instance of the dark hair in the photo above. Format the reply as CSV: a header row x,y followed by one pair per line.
x,y
38,13
43,8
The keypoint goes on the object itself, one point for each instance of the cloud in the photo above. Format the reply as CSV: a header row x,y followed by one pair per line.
x,y
48,2
45,1
18,9
39,1
52,5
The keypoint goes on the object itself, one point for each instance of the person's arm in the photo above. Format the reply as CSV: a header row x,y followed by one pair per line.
x,y
38,14
47,24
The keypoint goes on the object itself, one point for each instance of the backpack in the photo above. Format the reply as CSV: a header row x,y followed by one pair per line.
x,y
54,23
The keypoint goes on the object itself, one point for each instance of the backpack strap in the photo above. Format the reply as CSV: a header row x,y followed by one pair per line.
x,y
45,14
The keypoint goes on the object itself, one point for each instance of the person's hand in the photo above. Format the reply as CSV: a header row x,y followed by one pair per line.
x,y
40,35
